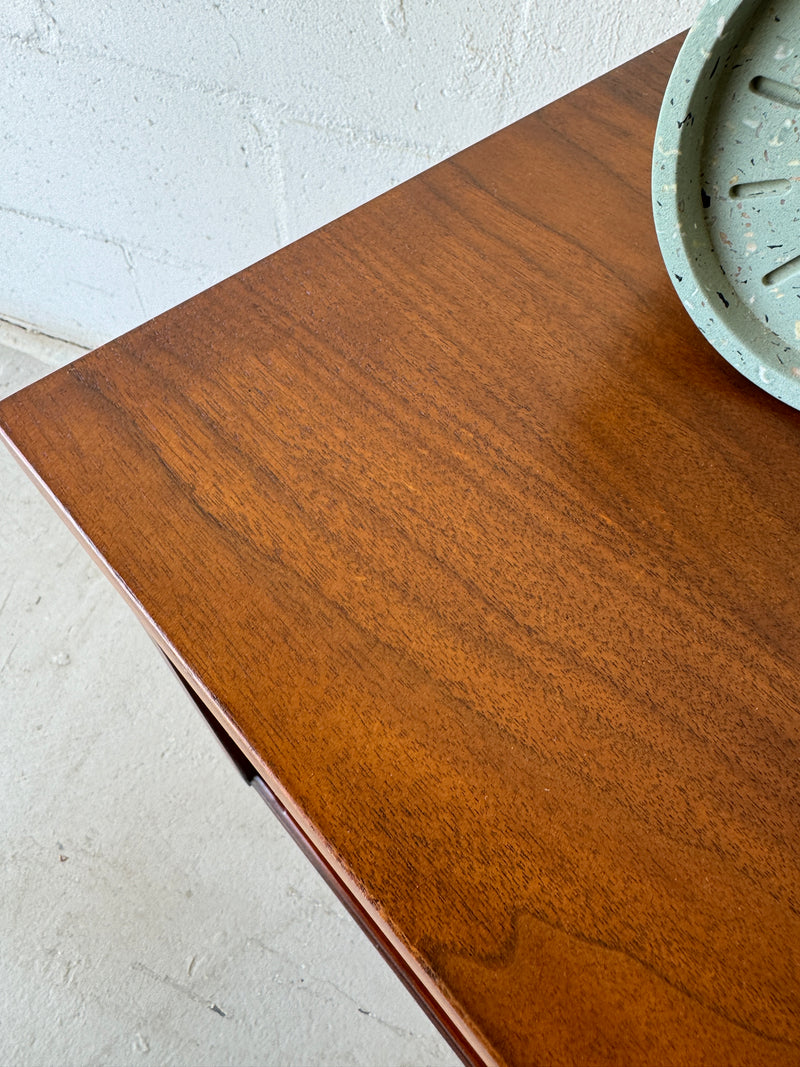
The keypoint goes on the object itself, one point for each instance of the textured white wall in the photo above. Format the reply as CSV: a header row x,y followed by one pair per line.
x,y
149,149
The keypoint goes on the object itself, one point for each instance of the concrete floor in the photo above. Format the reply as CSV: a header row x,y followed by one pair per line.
x,y
151,909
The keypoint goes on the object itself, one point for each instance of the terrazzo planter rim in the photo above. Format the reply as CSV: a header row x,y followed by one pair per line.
x,y
688,113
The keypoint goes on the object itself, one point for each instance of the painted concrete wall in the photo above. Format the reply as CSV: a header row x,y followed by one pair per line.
x,y
149,149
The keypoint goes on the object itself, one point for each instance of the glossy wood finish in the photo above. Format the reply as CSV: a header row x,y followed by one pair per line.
x,y
490,566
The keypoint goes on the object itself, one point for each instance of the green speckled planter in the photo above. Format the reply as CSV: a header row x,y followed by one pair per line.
x,y
726,186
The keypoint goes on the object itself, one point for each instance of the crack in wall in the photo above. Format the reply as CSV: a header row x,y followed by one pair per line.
x,y
132,273
270,148
179,987
317,981
161,256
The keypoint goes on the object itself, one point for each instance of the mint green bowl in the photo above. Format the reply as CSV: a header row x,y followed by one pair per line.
x,y
726,186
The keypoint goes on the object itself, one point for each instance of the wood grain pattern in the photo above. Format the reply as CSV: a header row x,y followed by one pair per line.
x,y
489,563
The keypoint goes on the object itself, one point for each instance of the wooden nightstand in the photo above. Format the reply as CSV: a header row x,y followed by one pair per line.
x,y
486,567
